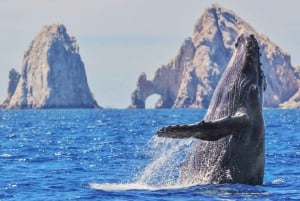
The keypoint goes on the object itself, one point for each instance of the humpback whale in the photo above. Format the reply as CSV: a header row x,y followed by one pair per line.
x,y
231,148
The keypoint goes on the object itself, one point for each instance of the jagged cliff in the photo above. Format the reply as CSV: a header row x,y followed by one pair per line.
x,y
189,79
53,74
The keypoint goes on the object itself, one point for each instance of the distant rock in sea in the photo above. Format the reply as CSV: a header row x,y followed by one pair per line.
x,y
53,74
190,78
14,78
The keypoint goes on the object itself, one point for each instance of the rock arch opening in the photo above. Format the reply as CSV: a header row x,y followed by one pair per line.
x,y
151,101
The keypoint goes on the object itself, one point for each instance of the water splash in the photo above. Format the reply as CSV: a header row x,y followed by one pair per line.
x,y
167,156
172,165
163,170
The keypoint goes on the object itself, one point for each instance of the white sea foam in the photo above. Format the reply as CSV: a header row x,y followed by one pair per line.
x,y
132,186
278,181
120,186
6,155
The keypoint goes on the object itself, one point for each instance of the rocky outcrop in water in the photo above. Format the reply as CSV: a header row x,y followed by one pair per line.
x,y
14,78
53,74
293,102
189,79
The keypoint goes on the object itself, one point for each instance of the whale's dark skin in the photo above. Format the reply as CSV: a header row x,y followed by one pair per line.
x,y
231,148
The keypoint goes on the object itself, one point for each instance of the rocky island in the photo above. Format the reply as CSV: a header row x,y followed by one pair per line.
x,y
190,78
53,74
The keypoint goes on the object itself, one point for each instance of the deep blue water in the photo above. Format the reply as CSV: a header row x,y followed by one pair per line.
x,y
67,154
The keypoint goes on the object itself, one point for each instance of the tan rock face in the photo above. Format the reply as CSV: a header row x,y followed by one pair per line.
x,y
189,79
53,75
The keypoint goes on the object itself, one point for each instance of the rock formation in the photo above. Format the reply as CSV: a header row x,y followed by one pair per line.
x,y
189,79
293,102
14,78
53,75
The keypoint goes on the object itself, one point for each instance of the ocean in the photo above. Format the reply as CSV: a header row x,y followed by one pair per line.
x,y
113,155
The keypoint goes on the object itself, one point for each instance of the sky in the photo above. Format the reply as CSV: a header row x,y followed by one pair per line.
x,y
120,39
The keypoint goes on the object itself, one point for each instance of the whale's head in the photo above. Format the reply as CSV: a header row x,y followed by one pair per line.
x,y
243,81
252,78
249,79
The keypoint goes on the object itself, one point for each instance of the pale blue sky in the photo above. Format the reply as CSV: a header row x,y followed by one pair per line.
x,y
120,39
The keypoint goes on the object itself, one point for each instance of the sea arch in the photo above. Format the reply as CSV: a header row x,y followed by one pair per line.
x,y
152,101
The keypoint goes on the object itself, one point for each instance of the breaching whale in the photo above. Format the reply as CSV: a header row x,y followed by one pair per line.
x,y
231,148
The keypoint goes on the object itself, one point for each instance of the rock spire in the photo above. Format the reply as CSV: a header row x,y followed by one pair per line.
x,y
53,74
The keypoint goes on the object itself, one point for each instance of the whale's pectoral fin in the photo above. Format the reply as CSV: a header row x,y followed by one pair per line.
x,y
210,131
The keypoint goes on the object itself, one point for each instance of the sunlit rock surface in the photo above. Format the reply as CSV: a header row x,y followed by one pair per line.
x,y
190,78
53,74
